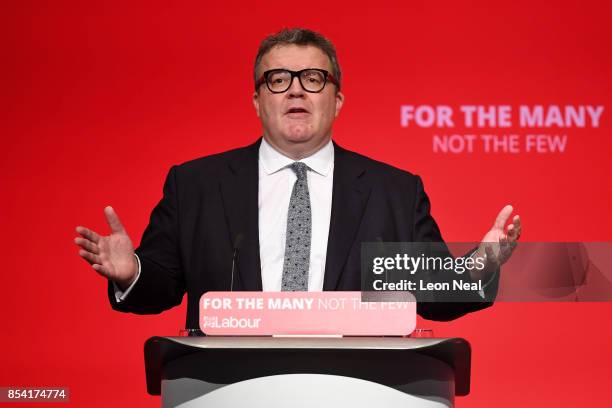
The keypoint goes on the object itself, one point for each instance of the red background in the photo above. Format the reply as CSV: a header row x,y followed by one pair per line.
x,y
99,100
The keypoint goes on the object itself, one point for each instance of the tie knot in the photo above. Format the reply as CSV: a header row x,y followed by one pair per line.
x,y
300,170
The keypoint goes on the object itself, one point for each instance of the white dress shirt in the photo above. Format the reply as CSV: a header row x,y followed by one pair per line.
x,y
276,181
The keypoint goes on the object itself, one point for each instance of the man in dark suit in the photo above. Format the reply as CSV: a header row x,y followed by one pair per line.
x,y
288,212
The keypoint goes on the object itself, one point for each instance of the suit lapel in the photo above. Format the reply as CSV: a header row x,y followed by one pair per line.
x,y
349,198
239,190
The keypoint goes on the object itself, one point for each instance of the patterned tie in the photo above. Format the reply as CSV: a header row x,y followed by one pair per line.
x,y
297,243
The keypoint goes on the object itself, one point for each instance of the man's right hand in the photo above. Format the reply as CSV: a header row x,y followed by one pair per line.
x,y
112,256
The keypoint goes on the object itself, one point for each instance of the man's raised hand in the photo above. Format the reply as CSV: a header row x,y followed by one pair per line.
x,y
112,256
498,243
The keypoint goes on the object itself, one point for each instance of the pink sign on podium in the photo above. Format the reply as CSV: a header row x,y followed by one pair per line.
x,y
304,313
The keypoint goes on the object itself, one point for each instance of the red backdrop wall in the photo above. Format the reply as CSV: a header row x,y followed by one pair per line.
x,y
99,100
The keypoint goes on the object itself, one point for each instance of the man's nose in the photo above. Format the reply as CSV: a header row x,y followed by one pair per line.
x,y
295,88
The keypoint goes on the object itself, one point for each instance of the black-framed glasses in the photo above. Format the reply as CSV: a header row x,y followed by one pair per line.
x,y
311,79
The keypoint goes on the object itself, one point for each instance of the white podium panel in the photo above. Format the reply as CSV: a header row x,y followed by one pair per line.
x,y
307,391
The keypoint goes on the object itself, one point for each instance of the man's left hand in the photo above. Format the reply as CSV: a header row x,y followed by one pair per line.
x,y
497,244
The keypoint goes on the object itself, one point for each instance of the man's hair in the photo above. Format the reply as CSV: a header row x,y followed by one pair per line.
x,y
299,36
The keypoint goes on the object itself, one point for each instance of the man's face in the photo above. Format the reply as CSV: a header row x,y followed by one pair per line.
x,y
296,122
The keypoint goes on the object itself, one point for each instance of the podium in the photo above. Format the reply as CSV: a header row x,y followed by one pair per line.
x,y
269,372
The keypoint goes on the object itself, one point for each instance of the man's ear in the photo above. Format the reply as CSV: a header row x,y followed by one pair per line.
x,y
256,102
339,102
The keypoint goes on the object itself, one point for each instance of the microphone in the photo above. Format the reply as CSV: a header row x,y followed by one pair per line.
x,y
237,246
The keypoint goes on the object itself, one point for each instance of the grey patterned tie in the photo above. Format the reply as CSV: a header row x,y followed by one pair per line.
x,y
297,243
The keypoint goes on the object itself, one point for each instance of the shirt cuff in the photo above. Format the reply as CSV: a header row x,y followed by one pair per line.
x,y
120,295
481,292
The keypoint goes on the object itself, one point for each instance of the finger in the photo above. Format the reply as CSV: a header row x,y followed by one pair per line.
x,y
89,234
102,270
513,236
516,221
511,233
505,242
502,217
87,245
504,251
89,257
113,220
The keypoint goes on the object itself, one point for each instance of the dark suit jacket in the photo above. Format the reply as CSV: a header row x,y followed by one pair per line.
x,y
188,244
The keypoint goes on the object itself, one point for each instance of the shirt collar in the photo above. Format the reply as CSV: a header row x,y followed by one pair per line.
x,y
272,160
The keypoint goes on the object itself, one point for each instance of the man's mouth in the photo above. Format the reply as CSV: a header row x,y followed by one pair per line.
x,y
297,112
